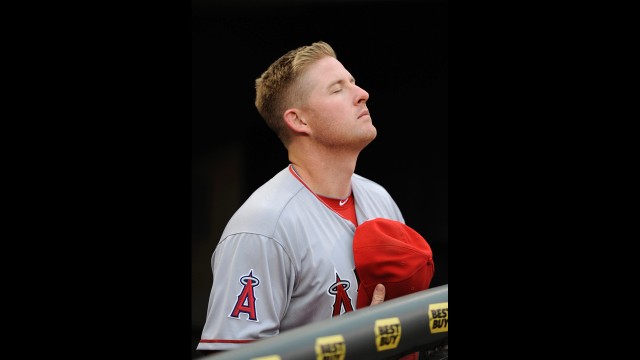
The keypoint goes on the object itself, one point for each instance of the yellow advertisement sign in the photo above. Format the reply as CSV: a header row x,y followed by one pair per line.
x,y
330,348
388,333
439,317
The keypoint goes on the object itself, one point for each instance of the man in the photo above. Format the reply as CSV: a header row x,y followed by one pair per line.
x,y
285,259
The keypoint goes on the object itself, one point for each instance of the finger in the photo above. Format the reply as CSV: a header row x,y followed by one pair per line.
x,y
378,295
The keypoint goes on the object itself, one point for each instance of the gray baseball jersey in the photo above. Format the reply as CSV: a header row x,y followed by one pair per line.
x,y
285,259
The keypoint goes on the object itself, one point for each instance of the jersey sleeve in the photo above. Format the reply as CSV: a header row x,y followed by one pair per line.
x,y
253,279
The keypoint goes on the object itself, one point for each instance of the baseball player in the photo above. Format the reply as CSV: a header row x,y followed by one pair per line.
x,y
285,259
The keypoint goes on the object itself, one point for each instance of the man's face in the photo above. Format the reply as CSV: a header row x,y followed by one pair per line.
x,y
335,107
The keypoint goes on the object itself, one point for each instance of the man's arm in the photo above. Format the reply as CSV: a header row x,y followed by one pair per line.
x,y
377,298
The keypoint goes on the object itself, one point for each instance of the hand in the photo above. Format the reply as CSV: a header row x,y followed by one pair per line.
x,y
378,295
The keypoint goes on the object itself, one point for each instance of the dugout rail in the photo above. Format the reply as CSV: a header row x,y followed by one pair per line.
x,y
395,327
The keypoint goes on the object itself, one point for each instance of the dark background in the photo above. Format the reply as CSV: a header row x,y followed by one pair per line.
x,y
101,135
396,50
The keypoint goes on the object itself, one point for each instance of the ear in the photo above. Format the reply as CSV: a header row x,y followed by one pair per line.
x,y
295,122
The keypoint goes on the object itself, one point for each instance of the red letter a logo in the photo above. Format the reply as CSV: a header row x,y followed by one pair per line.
x,y
339,290
246,300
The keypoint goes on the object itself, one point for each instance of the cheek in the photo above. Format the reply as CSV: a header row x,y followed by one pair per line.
x,y
327,127
330,118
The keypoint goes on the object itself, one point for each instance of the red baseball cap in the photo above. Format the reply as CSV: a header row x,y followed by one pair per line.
x,y
391,253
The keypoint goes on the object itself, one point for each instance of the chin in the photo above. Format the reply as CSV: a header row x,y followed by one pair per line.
x,y
374,132
370,137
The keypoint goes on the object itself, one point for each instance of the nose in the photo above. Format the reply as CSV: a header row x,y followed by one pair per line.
x,y
361,95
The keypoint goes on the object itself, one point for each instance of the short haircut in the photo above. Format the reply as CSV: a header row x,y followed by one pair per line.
x,y
277,89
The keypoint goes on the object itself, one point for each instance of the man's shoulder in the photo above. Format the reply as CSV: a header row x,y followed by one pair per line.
x,y
273,195
363,182
264,208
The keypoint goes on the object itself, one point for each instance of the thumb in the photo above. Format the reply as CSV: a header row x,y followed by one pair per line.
x,y
378,295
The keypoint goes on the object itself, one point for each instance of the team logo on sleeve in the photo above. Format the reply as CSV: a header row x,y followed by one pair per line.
x,y
246,299
342,299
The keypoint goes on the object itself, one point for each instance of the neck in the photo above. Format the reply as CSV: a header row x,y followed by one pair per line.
x,y
327,178
325,168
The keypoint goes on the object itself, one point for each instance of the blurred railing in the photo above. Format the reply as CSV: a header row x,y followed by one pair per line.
x,y
388,330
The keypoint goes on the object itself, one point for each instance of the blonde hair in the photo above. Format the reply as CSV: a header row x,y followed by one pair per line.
x,y
277,88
